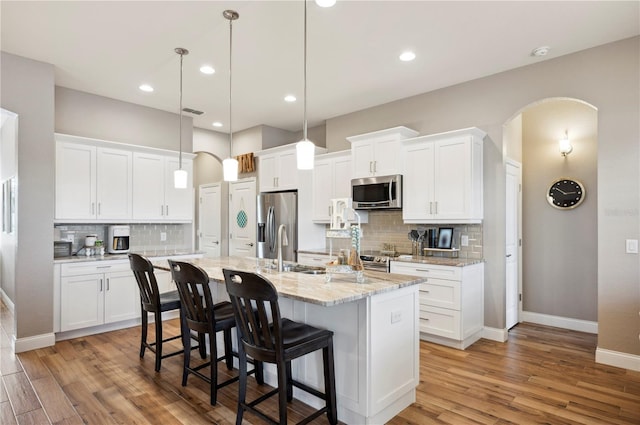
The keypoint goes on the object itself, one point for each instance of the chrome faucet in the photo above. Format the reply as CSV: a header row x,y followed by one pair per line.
x,y
282,241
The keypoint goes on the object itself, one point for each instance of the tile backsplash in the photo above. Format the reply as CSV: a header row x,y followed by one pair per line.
x,y
387,227
143,236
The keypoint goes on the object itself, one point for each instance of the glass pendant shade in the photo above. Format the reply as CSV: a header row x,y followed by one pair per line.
x,y
180,178
305,153
230,169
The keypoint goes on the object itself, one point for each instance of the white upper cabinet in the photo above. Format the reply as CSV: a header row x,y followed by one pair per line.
x,y
154,196
331,179
443,180
99,181
378,153
278,168
92,183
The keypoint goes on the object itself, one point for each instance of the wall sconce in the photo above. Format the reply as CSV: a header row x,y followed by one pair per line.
x,y
564,145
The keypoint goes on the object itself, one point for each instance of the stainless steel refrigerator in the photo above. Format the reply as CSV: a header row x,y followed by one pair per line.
x,y
275,209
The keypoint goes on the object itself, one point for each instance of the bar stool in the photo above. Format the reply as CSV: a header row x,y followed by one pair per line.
x,y
278,342
152,301
200,314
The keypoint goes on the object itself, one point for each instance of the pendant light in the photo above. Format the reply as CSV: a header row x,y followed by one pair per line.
x,y
230,165
305,149
180,176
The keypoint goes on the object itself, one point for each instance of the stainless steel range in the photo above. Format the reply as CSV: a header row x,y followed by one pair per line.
x,y
376,262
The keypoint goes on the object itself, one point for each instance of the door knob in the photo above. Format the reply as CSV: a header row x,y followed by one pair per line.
x,y
249,244
508,255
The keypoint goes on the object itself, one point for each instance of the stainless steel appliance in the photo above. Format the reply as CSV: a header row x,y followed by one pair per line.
x,y
275,209
376,262
118,239
61,249
380,192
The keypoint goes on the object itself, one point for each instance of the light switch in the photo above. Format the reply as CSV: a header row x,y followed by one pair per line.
x,y
163,236
632,246
396,316
464,240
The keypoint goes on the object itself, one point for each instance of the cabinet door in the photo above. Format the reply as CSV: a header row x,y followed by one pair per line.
x,y
148,186
452,181
322,190
342,177
81,301
417,196
362,157
178,202
287,171
121,299
114,183
75,181
267,173
386,157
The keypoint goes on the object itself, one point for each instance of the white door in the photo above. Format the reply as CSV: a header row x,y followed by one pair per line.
x,y
452,179
242,218
322,193
121,297
148,186
512,247
210,219
75,181
114,182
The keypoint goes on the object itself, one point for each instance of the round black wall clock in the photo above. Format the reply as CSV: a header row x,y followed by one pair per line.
x,y
565,193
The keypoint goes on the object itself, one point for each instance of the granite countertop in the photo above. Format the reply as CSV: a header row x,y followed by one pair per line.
x,y
439,261
306,287
151,253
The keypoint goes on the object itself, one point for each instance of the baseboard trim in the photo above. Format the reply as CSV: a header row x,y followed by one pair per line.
x,y
34,342
495,334
7,301
560,322
618,359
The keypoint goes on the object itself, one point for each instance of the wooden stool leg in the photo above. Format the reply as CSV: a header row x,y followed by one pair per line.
x,y
158,318
213,355
330,383
186,344
143,337
242,382
282,392
228,352
289,383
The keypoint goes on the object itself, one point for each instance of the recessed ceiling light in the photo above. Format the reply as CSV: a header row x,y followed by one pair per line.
x,y
146,88
289,98
407,56
207,69
325,3
217,124
540,51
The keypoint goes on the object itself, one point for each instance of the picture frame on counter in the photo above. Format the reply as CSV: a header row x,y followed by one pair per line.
x,y
445,237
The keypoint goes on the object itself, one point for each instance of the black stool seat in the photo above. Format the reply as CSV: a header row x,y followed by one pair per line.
x,y
277,341
200,314
152,301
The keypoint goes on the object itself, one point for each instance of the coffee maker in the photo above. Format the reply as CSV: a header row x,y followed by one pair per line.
x,y
118,239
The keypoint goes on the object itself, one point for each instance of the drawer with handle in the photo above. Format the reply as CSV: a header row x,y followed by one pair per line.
x,y
440,321
83,268
426,270
440,293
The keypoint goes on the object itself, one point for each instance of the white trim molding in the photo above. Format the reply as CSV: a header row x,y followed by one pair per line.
x,y
618,359
7,301
560,322
34,342
495,334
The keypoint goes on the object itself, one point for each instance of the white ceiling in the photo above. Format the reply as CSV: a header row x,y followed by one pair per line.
x,y
108,48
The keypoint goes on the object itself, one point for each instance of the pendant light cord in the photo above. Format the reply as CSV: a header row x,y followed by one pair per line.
x,y
180,160
304,130
230,83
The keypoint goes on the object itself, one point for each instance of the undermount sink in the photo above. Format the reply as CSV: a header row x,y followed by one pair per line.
x,y
299,268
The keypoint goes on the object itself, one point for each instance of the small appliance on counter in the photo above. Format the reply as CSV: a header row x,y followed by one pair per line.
x,y
118,239
62,249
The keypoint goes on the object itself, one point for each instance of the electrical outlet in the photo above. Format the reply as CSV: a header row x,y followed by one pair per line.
x,y
396,316
464,240
632,246
163,236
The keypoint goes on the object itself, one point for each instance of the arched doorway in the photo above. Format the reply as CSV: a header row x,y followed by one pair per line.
x,y
555,279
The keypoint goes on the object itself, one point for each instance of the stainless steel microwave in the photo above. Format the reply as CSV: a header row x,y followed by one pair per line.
x,y
380,192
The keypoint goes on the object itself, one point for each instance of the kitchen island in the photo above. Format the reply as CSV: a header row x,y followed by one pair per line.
x,y
376,336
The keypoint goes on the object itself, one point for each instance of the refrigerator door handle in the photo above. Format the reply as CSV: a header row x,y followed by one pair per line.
x,y
271,229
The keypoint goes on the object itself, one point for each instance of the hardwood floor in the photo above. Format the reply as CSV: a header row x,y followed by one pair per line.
x,y
542,375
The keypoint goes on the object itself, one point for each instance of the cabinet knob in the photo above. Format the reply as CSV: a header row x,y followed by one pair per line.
x,y
249,244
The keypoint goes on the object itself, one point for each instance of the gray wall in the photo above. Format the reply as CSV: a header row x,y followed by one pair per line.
x,y
560,266
606,77
84,114
8,169
28,90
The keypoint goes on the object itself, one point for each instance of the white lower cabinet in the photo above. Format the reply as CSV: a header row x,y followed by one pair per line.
x,y
451,302
319,260
96,293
